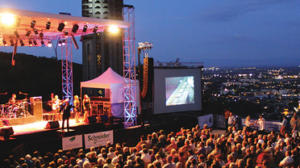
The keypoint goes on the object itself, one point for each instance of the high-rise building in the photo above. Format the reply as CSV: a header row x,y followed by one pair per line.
x,y
102,50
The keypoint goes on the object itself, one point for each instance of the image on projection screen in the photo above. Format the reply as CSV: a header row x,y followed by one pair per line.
x,y
179,90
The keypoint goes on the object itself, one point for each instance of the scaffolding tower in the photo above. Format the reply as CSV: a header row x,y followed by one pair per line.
x,y
67,70
129,71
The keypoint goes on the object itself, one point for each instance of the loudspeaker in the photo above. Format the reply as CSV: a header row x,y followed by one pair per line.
x,y
6,132
104,118
52,124
92,119
37,107
148,75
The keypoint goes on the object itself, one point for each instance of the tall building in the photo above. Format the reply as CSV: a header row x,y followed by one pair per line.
x,y
102,50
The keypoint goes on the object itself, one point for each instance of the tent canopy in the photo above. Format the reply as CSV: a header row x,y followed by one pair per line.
x,y
104,80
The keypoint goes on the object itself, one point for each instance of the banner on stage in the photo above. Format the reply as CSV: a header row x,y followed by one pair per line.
x,y
206,119
72,142
221,121
98,139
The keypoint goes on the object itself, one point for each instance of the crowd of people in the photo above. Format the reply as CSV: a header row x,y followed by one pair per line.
x,y
188,148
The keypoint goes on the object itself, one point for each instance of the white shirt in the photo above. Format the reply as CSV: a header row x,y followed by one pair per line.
x,y
261,124
286,161
261,141
231,119
146,158
247,123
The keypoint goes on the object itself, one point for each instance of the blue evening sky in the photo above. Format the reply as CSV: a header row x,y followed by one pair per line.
x,y
231,33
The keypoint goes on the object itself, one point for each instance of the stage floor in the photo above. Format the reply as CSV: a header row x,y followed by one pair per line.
x,y
39,126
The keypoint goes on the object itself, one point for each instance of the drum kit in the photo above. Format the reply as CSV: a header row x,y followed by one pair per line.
x,y
17,110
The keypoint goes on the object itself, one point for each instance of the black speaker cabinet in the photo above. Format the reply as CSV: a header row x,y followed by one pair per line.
x,y
52,124
37,107
6,132
92,119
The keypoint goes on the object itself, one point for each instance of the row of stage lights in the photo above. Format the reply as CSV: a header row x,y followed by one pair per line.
x,y
31,43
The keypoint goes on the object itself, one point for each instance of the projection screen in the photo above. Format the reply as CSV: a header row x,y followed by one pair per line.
x,y
177,90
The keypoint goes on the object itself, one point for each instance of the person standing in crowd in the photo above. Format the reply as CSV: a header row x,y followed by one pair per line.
x,y
295,127
231,120
248,123
293,120
261,124
284,126
226,115
76,104
86,107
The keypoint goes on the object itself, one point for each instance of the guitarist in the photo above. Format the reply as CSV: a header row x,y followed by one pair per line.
x,y
56,107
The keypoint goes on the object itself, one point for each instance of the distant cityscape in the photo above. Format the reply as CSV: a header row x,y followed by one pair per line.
x,y
273,92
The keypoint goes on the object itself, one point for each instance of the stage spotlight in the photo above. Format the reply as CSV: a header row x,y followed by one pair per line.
x,y
63,42
11,42
61,26
84,28
34,43
7,19
49,44
30,43
74,42
95,29
75,28
4,43
28,33
41,36
35,31
66,33
18,22
113,29
22,43
48,25
16,34
59,43
32,24
42,43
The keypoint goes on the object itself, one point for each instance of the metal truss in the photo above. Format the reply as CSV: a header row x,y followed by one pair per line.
x,y
67,70
179,64
129,71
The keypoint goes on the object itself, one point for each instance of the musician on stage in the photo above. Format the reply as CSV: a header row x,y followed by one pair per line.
x,y
56,107
12,100
86,107
76,104
66,108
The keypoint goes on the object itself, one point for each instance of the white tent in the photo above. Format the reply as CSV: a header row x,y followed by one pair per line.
x,y
113,81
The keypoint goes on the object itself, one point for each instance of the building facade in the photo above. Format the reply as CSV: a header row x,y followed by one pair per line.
x,y
102,50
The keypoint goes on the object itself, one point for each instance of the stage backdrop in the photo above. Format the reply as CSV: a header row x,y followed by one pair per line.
x,y
72,142
98,138
206,119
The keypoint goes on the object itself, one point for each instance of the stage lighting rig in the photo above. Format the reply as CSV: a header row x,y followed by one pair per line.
x,y
63,42
12,42
84,28
41,36
16,34
4,43
75,28
66,34
32,24
49,43
61,26
21,42
48,25
35,43
42,43
95,29
59,43
30,43
35,31
28,33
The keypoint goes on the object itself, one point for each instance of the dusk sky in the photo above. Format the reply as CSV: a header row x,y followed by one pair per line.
x,y
222,33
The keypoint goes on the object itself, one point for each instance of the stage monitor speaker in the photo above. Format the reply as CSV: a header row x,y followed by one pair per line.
x,y
6,132
91,119
104,118
52,124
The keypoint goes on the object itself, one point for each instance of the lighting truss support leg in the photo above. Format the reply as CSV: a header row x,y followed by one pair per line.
x,y
129,71
67,70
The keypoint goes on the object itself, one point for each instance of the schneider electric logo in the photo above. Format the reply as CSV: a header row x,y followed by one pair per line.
x,y
72,139
98,138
